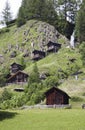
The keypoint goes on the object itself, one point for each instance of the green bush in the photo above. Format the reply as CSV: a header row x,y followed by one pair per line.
x,y
5,105
17,101
51,81
6,95
2,80
76,99
2,31
83,94
82,51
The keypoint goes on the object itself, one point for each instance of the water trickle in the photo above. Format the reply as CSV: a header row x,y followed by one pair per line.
x,y
72,43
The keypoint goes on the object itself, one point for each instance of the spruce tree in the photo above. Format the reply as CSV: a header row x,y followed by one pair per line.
x,y
82,51
21,17
34,76
80,23
68,9
7,15
37,9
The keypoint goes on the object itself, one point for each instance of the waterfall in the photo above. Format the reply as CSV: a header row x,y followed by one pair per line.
x,y
72,43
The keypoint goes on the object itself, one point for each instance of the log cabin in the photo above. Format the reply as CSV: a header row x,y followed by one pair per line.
x,y
53,47
15,67
55,96
37,55
18,78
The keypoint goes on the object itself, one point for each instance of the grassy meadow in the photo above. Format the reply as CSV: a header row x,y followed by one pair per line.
x,y
47,119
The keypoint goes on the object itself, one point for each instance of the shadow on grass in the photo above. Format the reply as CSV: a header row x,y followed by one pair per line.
x,y
6,115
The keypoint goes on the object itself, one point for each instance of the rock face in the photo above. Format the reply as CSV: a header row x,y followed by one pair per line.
x,y
40,33
34,35
49,33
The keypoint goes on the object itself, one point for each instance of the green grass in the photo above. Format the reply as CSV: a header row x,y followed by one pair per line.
x,y
54,61
50,64
48,119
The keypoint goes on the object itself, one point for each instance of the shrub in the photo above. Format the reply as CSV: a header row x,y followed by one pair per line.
x,y
51,81
4,30
83,94
6,95
82,51
2,80
37,97
76,99
5,105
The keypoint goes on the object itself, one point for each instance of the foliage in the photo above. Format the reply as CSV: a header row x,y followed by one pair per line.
x,y
2,80
34,76
76,99
72,68
68,10
80,23
7,13
37,9
63,74
50,11
37,97
51,81
6,95
21,18
4,31
5,104
17,101
8,100
33,93
3,75
82,51
22,62
34,86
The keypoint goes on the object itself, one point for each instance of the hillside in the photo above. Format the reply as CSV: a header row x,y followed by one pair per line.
x,y
35,35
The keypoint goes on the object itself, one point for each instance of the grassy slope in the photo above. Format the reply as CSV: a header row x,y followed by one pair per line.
x,y
51,63
60,60
43,120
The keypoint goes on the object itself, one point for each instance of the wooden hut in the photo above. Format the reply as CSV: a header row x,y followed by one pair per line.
x,y
56,96
15,67
53,47
37,55
18,78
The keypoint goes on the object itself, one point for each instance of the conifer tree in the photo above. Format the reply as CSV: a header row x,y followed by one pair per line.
x,y
67,8
80,23
37,9
7,15
34,76
21,17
